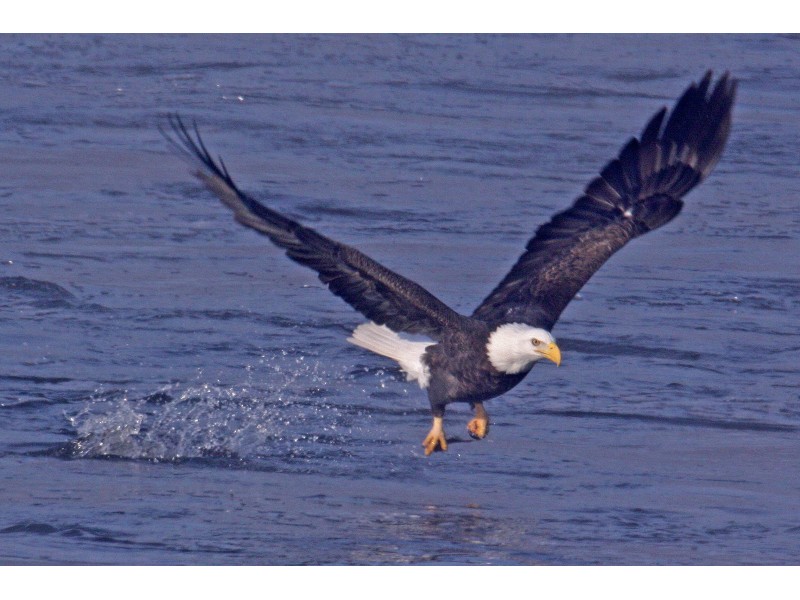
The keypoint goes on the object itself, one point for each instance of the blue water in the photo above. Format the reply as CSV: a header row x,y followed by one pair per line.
x,y
173,390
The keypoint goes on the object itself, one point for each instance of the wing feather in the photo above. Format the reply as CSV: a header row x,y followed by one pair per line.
x,y
637,192
378,293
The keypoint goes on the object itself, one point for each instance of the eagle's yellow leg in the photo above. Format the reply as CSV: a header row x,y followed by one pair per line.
x,y
479,426
435,438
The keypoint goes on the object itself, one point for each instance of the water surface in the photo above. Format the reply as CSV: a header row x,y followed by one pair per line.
x,y
175,391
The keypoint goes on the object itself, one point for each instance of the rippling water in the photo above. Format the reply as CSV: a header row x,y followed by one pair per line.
x,y
174,390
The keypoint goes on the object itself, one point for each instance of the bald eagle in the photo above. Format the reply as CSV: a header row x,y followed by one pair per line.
x,y
474,358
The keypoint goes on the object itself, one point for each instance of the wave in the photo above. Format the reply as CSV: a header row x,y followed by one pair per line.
x,y
42,294
689,421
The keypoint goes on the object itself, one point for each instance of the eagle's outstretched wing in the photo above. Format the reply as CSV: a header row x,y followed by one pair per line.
x,y
378,293
635,193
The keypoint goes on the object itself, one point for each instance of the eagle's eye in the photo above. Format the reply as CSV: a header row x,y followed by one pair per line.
x,y
535,342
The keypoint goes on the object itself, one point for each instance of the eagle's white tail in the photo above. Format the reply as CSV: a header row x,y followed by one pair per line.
x,y
408,354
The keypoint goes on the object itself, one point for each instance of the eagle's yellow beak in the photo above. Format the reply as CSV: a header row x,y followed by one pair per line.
x,y
552,352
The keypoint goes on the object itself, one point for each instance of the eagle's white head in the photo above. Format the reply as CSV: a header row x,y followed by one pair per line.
x,y
514,347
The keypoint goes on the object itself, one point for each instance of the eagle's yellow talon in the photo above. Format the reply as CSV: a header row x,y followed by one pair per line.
x,y
432,444
478,428
435,440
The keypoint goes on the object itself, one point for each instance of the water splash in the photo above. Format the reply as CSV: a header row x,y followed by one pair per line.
x,y
288,407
